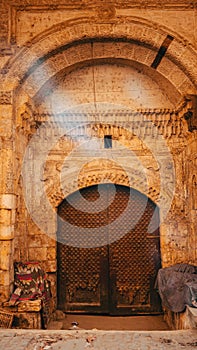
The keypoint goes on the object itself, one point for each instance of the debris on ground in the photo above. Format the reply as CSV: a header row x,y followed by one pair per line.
x,y
90,340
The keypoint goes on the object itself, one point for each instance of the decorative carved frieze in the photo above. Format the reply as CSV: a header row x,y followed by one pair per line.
x,y
119,3
5,97
142,123
191,114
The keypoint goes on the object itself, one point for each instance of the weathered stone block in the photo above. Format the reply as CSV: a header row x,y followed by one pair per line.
x,y
6,232
13,217
17,254
51,253
50,265
34,241
48,241
4,278
38,254
33,229
7,201
4,293
5,255
5,216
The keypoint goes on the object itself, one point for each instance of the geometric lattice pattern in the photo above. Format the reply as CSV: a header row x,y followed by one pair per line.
x,y
135,257
115,275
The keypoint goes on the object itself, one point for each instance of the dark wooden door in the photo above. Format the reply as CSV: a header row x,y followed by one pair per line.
x,y
116,275
83,272
135,258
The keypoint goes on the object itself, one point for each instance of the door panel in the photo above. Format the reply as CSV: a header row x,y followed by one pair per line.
x,y
83,272
117,278
134,259
84,279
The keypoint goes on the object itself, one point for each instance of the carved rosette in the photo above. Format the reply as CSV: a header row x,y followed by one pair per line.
x,y
106,12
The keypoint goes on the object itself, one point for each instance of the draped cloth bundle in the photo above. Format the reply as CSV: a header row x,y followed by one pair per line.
x,y
31,283
177,286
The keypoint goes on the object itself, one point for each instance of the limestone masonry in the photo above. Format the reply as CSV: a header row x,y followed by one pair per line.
x,y
72,75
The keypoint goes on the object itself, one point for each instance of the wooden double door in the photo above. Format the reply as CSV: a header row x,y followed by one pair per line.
x,y
108,252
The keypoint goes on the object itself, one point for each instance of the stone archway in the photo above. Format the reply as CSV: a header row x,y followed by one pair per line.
x,y
108,251
58,39
61,48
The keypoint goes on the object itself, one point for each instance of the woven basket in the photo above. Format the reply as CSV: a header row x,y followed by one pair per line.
x,y
6,319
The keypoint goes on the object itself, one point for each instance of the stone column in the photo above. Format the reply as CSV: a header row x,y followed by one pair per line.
x,y
7,196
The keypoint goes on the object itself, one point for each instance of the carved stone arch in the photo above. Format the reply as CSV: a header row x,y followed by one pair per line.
x,y
92,171
55,195
132,55
58,38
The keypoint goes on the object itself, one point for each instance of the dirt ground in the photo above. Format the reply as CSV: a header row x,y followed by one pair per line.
x,y
123,323
17,339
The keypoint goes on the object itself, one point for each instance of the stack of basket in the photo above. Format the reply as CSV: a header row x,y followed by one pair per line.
x,y
6,319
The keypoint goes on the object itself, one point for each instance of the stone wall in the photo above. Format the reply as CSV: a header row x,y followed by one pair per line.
x,y
190,193
51,174
7,196
74,72
106,83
